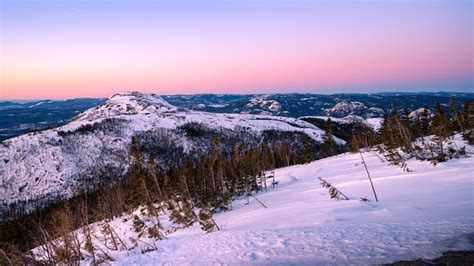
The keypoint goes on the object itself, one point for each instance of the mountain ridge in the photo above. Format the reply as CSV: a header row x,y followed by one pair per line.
x,y
41,167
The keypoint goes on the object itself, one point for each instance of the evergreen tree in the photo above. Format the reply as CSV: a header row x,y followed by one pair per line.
x,y
401,131
152,176
406,118
454,121
308,153
385,132
135,187
395,130
138,225
424,122
328,141
439,123
353,145
452,106
205,219
467,121
416,129
266,156
182,214
439,127
189,214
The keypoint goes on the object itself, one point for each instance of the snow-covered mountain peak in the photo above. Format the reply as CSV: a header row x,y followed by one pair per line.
x,y
127,103
418,112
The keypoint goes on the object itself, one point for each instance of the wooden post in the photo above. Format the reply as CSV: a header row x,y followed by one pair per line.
x,y
218,228
259,201
368,174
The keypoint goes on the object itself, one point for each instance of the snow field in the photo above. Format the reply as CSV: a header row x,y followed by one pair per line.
x,y
420,215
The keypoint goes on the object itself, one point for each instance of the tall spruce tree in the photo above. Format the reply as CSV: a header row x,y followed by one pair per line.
x,y
353,145
406,118
454,121
308,153
385,132
439,127
439,123
452,106
328,141
467,121
266,156
416,128
395,132
425,121
151,171
135,187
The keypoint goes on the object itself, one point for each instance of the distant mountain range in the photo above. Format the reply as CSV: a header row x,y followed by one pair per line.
x,y
20,118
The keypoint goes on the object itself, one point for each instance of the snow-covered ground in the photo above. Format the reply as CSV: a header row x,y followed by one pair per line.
x,y
374,123
46,165
420,215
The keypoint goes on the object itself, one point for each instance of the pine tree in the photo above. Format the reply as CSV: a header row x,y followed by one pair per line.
x,y
135,187
152,176
328,141
416,129
308,153
353,145
206,221
395,132
439,123
283,154
266,156
138,225
406,118
454,120
385,132
425,121
468,121
439,127
452,106
189,214
182,214
402,128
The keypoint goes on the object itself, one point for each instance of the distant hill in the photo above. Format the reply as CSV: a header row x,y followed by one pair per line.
x,y
41,167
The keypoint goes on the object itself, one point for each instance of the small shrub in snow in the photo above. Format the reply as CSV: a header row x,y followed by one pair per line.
x,y
333,192
181,214
138,225
206,221
364,199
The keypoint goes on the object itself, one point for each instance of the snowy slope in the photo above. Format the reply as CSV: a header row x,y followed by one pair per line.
x,y
53,163
373,123
262,102
418,112
420,215
127,103
344,108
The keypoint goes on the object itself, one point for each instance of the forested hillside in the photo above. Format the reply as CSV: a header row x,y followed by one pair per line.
x,y
173,169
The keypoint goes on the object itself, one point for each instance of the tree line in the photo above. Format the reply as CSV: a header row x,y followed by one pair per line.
x,y
400,132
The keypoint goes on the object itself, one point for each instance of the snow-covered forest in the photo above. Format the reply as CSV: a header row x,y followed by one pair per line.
x,y
139,181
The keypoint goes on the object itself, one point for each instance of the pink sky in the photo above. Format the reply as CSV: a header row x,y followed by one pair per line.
x,y
65,49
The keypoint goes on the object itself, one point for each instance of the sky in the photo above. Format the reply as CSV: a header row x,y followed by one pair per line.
x,y
94,48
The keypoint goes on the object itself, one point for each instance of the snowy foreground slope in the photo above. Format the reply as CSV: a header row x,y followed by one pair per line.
x,y
420,215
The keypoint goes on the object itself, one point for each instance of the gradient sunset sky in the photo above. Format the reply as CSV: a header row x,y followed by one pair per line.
x,y
66,49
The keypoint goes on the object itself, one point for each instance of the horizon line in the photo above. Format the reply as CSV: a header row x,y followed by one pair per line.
x,y
26,100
